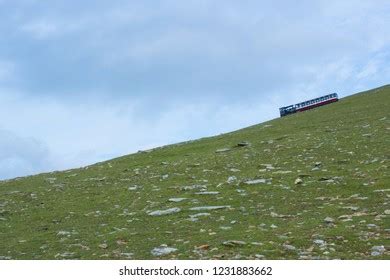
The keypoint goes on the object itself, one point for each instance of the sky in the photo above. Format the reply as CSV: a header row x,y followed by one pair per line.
x,y
86,81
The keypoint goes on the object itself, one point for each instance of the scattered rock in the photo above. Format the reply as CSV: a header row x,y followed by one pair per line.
x,y
258,256
121,242
162,250
223,150
276,215
64,232
205,208
289,247
203,247
382,190
134,188
243,144
377,250
50,180
231,179
298,181
345,218
127,255
234,170
194,187
177,199
256,181
194,218
267,166
353,208
234,243
103,246
329,220
327,180
387,212
65,255
282,172
207,193
225,228
165,212
319,242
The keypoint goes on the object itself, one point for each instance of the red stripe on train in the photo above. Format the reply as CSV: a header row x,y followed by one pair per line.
x,y
317,105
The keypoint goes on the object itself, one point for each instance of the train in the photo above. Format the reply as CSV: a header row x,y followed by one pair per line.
x,y
309,104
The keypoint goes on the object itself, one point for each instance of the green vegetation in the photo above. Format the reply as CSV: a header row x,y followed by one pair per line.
x,y
313,185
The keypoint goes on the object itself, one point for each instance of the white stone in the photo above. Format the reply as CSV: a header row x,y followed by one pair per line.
x,y
329,220
298,181
234,170
222,150
165,212
205,208
256,181
207,193
289,247
163,250
193,187
177,199
319,242
231,179
282,172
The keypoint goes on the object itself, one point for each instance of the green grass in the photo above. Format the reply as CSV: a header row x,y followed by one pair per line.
x,y
90,213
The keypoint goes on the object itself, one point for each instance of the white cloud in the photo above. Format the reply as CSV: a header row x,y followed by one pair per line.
x,y
21,155
41,29
7,70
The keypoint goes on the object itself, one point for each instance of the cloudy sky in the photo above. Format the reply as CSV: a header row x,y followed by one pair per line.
x,y
86,81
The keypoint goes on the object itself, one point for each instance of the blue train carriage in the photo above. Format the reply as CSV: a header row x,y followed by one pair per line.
x,y
309,104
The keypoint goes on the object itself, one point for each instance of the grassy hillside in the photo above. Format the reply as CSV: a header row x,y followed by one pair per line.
x,y
314,185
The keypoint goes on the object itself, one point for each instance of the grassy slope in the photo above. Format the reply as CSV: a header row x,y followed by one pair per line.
x,y
90,213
